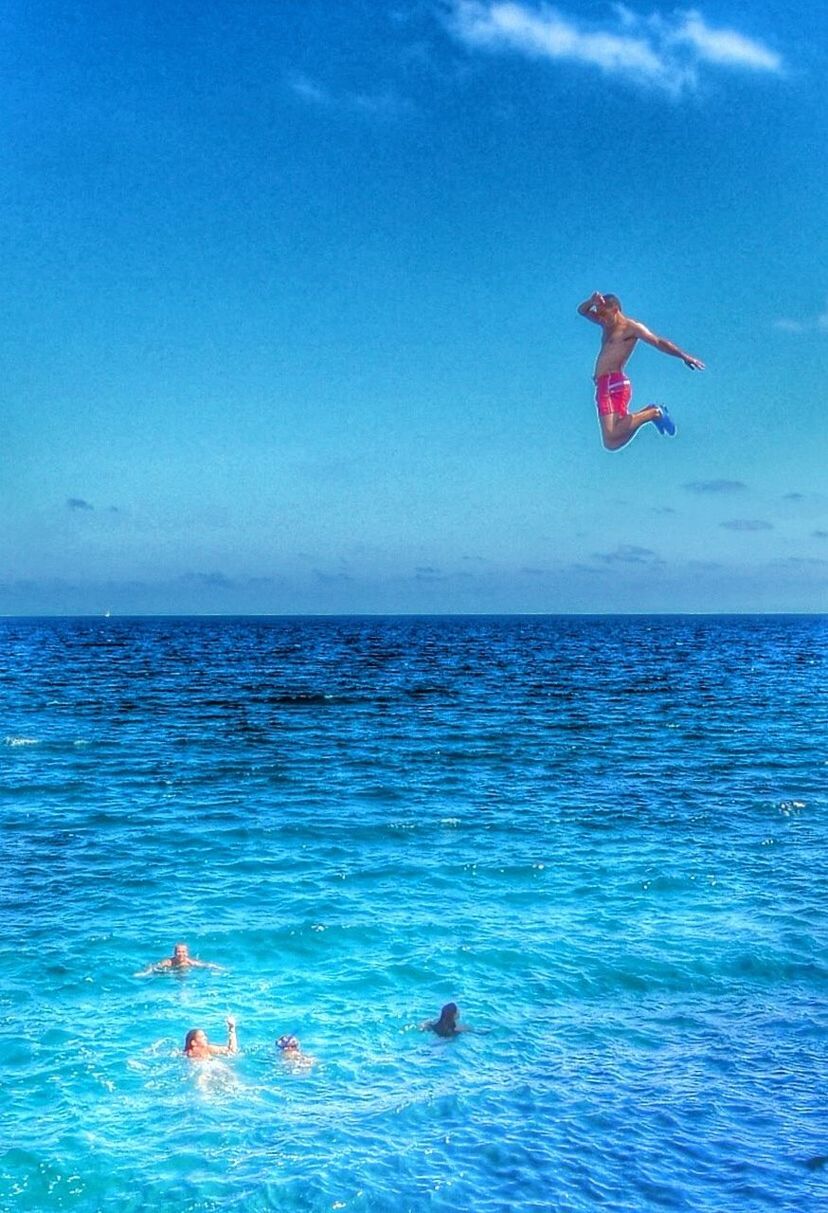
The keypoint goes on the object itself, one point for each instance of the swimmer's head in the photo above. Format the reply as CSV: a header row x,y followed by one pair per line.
x,y
449,1013
181,952
287,1042
610,305
195,1037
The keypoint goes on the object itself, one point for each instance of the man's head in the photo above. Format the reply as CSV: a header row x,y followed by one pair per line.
x,y
181,953
610,307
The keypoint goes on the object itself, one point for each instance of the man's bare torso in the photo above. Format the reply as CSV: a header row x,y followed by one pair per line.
x,y
617,343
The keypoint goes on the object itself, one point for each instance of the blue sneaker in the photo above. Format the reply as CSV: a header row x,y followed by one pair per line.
x,y
665,424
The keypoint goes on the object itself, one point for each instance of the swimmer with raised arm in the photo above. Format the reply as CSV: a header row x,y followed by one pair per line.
x,y
613,389
180,959
198,1048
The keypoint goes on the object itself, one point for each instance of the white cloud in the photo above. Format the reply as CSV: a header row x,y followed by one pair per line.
x,y
805,324
385,104
308,90
660,51
726,46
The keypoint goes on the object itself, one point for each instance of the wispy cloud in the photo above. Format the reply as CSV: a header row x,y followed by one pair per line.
x,y
747,524
385,104
662,51
715,486
804,324
308,89
78,503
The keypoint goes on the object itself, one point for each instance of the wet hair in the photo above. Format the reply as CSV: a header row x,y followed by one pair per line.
x,y
287,1042
190,1037
449,1011
613,300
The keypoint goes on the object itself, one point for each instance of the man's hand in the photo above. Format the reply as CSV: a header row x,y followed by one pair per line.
x,y
693,363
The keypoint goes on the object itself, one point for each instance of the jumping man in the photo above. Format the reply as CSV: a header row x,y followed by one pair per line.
x,y
613,389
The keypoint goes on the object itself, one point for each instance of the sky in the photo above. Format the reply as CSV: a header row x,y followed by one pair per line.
x,y
290,297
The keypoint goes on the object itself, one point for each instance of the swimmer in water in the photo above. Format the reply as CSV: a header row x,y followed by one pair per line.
x,y
613,389
179,960
292,1054
447,1024
198,1048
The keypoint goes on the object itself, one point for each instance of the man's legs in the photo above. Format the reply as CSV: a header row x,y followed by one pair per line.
x,y
617,429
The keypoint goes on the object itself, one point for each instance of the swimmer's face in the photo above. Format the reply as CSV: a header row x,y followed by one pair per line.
x,y
180,952
200,1038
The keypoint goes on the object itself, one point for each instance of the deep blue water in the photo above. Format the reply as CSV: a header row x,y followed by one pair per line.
x,y
604,838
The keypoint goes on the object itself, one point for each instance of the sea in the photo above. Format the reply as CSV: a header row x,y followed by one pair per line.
x,y
604,838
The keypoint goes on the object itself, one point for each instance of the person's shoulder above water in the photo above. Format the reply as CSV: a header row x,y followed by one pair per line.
x,y
446,1024
179,959
292,1052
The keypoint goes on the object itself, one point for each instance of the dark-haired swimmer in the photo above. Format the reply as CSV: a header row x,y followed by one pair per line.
x,y
613,389
198,1048
180,959
292,1054
447,1024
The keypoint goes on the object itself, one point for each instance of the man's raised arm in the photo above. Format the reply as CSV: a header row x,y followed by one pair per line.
x,y
585,308
666,347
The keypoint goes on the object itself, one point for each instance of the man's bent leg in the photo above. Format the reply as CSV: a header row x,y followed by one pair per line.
x,y
617,430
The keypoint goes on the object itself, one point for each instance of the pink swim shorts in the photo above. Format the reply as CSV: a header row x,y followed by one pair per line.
x,y
613,393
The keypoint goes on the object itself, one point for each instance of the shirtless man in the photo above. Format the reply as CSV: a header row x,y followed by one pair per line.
x,y
180,959
613,389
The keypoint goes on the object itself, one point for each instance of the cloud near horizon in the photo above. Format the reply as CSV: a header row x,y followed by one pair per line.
x,y
662,51
715,486
747,524
629,553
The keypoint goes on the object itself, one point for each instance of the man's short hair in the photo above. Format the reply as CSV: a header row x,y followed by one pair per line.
x,y
613,300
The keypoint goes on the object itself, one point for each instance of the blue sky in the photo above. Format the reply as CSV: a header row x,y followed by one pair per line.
x,y
290,296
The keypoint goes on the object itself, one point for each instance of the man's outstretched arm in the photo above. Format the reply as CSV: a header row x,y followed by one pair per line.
x,y
666,347
585,309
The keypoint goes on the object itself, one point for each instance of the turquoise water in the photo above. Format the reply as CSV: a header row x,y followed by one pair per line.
x,y
604,838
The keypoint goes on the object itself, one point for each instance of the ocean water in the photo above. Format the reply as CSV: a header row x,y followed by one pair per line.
x,y
604,838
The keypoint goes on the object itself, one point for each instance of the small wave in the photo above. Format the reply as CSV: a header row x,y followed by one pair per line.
x,y
15,741
301,699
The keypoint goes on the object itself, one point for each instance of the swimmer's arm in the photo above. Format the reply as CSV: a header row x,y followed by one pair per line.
x,y
154,968
585,308
232,1042
232,1045
204,964
665,346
